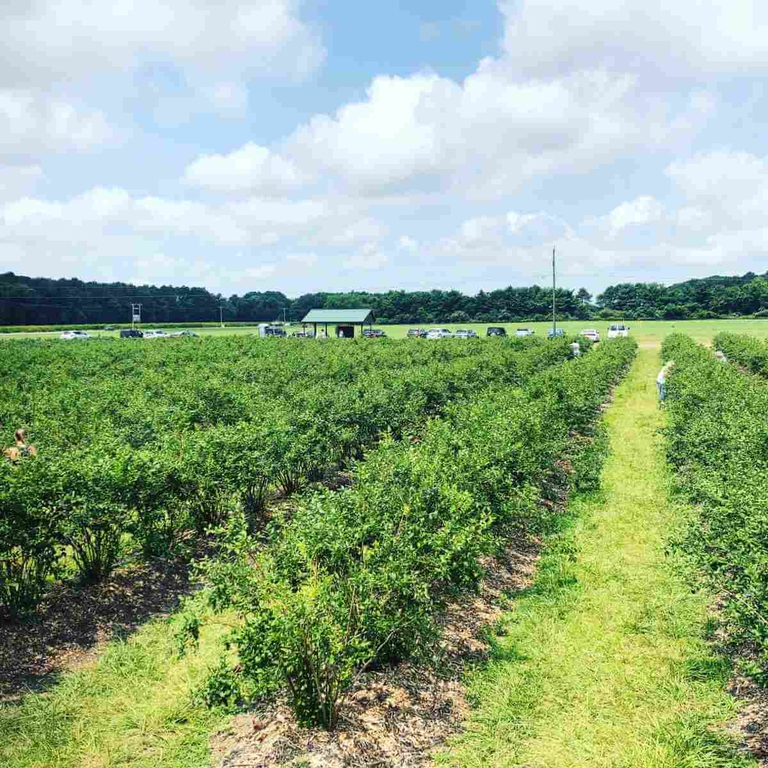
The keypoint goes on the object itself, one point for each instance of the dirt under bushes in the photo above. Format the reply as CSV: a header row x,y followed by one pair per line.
x,y
394,717
73,623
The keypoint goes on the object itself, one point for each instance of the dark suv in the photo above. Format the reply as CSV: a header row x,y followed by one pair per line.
x,y
130,333
496,331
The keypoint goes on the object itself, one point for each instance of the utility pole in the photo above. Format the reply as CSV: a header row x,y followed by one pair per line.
x,y
221,316
554,307
283,315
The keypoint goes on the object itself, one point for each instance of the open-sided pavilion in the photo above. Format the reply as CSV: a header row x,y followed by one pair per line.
x,y
344,319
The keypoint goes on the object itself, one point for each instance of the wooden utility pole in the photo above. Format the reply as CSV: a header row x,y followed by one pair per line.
x,y
554,307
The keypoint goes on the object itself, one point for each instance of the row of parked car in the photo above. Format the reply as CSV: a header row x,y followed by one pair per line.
x,y
133,333
441,333
614,331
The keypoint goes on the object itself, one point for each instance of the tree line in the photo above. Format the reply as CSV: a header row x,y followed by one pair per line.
x,y
45,301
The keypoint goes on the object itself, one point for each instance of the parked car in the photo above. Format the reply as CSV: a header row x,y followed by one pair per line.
x,y
465,334
184,334
109,328
374,333
418,333
304,334
554,333
75,335
591,334
438,333
521,333
496,331
618,330
155,335
131,333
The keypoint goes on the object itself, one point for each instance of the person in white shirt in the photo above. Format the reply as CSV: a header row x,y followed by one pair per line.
x,y
661,380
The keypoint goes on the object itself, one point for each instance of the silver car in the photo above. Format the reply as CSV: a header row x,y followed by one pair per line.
x,y
75,335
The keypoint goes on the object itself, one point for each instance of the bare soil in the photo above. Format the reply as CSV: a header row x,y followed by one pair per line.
x,y
73,623
751,726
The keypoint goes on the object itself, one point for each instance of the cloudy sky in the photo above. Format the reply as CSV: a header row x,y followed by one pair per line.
x,y
334,145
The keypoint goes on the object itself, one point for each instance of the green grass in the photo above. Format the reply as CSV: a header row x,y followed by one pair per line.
x,y
134,707
646,331
604,662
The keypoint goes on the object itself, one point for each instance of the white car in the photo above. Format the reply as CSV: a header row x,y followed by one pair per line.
x,y
155,335
590,334
438,333
75,335
618,330
521,333
465,334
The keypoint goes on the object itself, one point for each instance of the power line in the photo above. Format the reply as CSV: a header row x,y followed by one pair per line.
x,y
126,297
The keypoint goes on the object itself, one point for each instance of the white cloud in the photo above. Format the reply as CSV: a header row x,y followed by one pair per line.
x,y
31,124
640,211
260,272
406,243
254,221
302,259
367,257
722,178
667,39
489,135
52,40
251,168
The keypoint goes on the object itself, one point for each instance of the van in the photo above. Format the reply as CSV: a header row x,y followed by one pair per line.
x,y
618,331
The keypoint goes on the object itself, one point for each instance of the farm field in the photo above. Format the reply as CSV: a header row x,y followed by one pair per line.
x,y
651,332
347,495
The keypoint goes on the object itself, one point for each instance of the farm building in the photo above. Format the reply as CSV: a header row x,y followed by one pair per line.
x,y
345,320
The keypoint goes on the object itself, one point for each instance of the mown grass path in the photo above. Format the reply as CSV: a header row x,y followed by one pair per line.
x,y
604,661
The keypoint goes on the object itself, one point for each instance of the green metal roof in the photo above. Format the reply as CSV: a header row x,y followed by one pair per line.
x,y
339,316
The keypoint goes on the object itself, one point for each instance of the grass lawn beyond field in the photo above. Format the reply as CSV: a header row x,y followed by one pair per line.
x,y
647,332
604,662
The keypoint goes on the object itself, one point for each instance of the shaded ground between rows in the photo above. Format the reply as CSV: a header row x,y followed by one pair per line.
x,y
73,623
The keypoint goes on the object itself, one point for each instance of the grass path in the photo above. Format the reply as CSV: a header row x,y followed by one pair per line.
x,y
133,707
603,662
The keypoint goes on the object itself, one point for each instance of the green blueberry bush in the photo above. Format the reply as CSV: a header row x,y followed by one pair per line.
x,y
717,442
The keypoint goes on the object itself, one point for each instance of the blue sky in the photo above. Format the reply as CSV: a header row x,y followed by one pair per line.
x,y
333,145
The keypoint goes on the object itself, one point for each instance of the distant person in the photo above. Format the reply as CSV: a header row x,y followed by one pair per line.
x,y
720,356
22,449
576,349
661,380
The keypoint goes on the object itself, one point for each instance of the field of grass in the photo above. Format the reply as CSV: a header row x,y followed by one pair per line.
x,y
647,332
